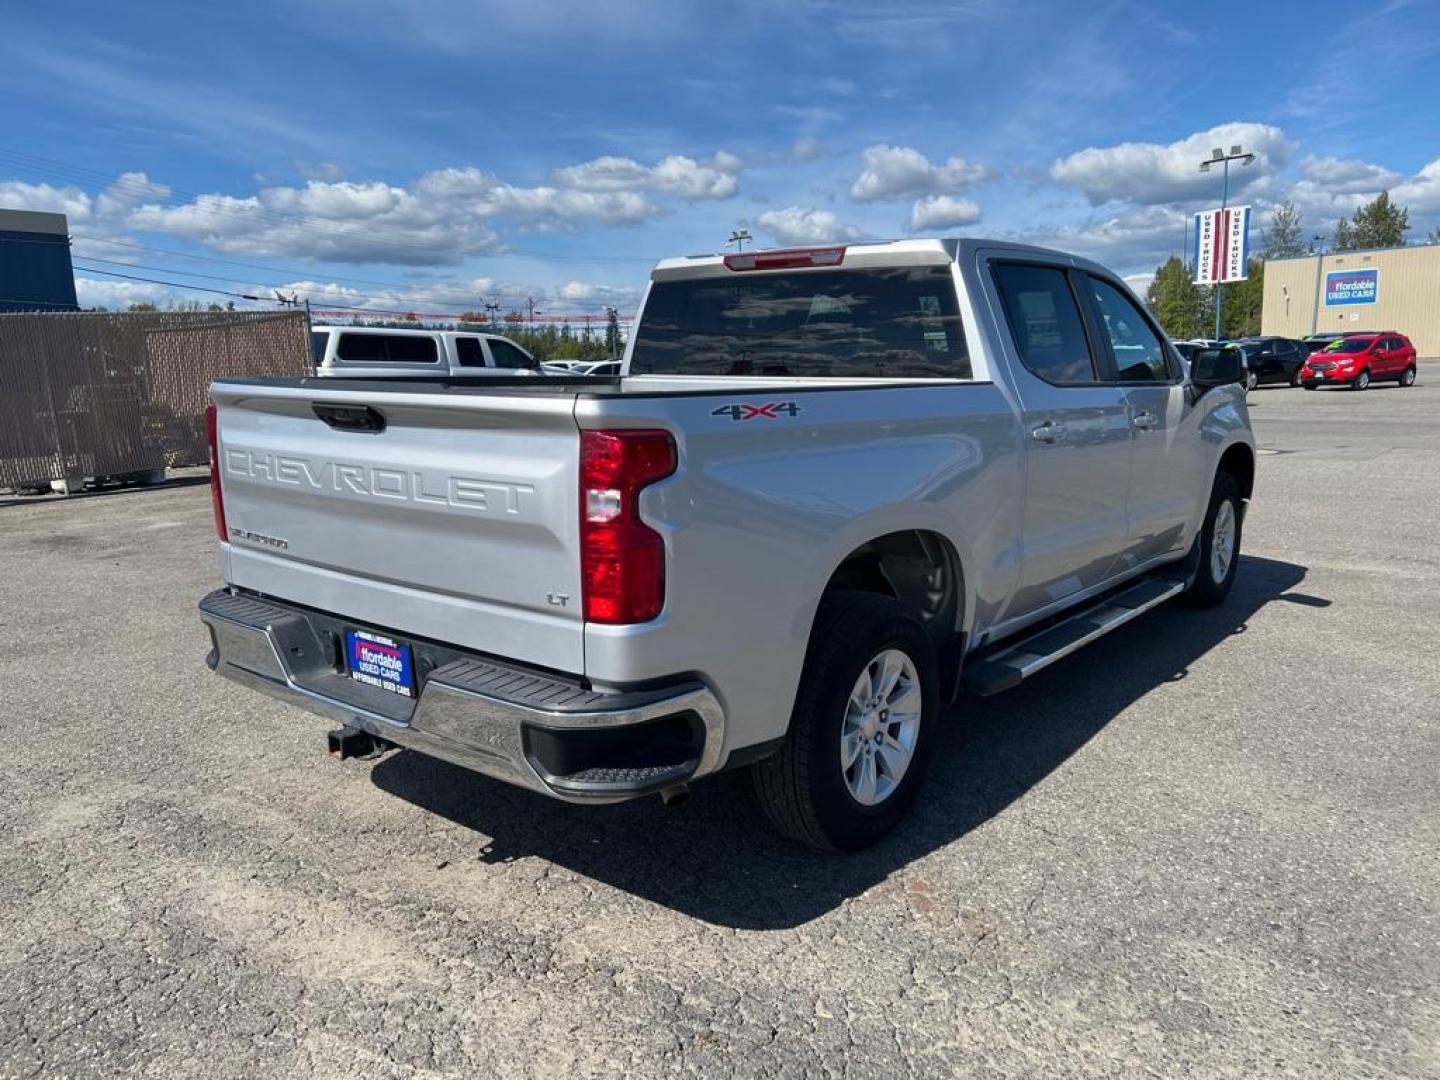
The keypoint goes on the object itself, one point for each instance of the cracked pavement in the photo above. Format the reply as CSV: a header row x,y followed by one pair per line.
x,y
1205,846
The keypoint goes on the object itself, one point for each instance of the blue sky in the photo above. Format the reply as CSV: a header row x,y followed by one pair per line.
x,y
434,155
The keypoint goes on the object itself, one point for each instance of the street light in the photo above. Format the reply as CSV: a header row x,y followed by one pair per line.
x,y
738,237
1219,157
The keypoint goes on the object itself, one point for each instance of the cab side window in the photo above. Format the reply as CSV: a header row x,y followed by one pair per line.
x,y
1045,322
1140,355
508,356
468,352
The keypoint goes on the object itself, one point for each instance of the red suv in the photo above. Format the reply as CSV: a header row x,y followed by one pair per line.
x,y
1357,360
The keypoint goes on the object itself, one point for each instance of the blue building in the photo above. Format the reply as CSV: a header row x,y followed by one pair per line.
x,y
35,269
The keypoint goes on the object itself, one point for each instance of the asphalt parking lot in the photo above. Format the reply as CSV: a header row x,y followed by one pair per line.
x,y
1206,846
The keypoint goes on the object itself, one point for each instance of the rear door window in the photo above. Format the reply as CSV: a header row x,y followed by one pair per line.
x,y
387,348
468,352
901,322
1045,322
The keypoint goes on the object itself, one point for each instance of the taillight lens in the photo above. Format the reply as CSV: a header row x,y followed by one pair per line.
x,y
217,498
622,560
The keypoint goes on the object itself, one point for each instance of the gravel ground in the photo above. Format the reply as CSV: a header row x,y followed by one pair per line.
x,y
1206,846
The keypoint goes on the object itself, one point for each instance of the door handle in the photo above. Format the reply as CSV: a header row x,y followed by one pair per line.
x,y
1144,420
1048,432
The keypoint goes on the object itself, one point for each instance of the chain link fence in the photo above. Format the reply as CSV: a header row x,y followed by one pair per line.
x,y
104,395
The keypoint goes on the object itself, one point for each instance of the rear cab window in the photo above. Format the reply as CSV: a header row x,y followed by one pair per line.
x,y
901,322
319,339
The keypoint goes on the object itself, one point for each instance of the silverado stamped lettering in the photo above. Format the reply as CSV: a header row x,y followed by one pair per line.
x,y
402,485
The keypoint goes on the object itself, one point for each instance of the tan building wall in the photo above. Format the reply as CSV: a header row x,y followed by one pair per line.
x,y
1407,300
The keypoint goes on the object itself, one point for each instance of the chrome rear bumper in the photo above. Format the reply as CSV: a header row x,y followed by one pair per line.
x,y
497,719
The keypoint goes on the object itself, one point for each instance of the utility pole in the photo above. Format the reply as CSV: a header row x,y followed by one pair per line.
x,y
530,303
738,237
1219,157
492,308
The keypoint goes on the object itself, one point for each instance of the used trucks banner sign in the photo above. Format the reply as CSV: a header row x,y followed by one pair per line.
x,y
1222,245
1352,287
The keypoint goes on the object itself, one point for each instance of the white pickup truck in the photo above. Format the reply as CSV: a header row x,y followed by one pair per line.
x,y
372,352
833,489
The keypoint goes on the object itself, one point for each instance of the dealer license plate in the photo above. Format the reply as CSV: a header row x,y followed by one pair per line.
x,y
380,662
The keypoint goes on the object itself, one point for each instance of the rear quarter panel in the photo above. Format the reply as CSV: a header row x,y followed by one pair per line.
x,y
762,511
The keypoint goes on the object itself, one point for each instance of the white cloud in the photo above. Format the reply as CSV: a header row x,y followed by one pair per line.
x,y
1342,176
1152,173
942,212
119,295
1421,193
806,225
805,149
674,175
896,172
1129,242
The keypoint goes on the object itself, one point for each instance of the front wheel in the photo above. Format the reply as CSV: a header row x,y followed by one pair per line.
x,y
860,732
1362,381
1407,377
1251,381
1218,556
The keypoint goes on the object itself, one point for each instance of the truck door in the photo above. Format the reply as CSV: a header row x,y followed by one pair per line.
x,y
1165,467
1077,434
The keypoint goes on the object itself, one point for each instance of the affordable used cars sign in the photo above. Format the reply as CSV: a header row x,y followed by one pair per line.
x,y
1352,287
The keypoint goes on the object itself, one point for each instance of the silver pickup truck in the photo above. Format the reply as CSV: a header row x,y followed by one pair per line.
x,y
833,489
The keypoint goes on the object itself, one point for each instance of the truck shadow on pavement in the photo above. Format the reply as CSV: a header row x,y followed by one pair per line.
x,y
715,858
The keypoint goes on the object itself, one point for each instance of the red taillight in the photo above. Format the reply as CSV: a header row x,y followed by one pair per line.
x,y
622,560
788,259
217,498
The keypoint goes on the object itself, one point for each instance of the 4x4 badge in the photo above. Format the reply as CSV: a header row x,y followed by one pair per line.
x,y
769,410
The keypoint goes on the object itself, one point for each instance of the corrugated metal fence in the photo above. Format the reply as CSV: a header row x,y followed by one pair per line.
x,y
101,394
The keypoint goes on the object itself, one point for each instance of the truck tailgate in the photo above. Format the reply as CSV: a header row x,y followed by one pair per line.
x,y
457,521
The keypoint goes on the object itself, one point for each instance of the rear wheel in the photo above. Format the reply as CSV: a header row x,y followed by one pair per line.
x,y
859,739
1251,381
1362,381
1218,557
1295,377
1407,377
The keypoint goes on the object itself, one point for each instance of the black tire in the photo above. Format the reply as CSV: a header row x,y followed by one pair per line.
x,y
1251,381
1295,378
1205,591
1407,377
802,787
1361,381
1312,386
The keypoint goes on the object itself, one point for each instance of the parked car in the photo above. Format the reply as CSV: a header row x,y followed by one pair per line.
x,y
1272,359
835,486
1314,343
580,367
1357,360
369,352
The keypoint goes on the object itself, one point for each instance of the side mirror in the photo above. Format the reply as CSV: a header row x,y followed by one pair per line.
x,y
1216,367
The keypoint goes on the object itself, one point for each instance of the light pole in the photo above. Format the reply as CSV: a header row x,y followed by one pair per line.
x,y
738,238
1219,157
1319,242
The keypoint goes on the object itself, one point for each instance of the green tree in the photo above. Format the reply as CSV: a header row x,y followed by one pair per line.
x,y
1377,224
1284,238
1434,237
1240,312
142,307
1176,301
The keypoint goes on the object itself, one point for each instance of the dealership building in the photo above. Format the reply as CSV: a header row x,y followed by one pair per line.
x,y
35,270
1385,289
